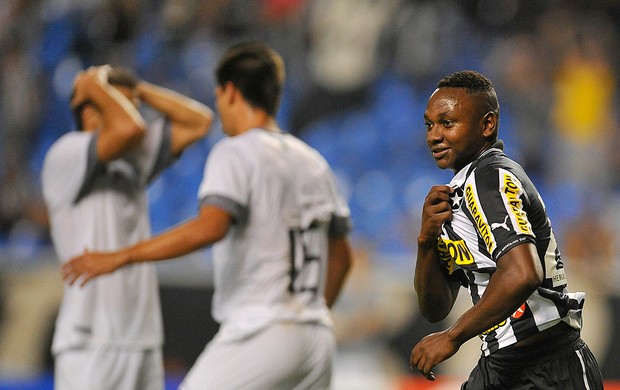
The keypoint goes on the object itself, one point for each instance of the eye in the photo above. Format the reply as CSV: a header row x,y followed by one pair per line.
x,y
428,125
447,123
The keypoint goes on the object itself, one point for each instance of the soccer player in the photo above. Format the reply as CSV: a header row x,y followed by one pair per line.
x,y
108,335
279,229
488,231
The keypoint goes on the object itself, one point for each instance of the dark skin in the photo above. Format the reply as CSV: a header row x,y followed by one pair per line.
x,y
459,128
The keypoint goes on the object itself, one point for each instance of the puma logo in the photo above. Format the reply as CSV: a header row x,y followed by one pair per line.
x,y
499,225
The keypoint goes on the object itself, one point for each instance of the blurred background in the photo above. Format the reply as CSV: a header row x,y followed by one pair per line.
x,y
359,75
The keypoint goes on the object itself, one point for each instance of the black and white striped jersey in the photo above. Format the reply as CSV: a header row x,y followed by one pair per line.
x,y
496,207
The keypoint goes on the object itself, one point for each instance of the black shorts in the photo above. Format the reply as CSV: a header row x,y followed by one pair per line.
x,y
565,363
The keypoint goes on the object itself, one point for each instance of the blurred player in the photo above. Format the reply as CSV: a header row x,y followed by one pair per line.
x,y
108,334
269,205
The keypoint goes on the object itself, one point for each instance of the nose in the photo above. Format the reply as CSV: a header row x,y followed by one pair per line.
x,y
433,134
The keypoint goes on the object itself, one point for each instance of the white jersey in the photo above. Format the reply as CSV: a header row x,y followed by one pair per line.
x,y
102,207
271,266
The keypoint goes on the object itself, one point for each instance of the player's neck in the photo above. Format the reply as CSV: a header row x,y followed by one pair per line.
x,y
258,119
270,125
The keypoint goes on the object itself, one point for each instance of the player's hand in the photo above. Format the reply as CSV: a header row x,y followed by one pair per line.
x,y
80,90
91,264
85,79
435,211
100,73
430,351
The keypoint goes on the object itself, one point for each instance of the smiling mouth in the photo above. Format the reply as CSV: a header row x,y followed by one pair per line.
x,y
439,153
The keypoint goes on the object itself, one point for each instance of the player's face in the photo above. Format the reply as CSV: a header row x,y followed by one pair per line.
x,y
130,93
455,125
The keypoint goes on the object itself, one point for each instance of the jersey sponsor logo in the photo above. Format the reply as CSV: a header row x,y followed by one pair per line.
x,y
559,278
516,315
454,252
486,332
554,266
519,312
512,190
481,223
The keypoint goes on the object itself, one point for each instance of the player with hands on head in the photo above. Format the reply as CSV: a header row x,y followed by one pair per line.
x,y
109,334
488,231
279,228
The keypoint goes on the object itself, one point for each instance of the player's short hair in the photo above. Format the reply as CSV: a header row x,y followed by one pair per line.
x,y
122,77
475,83
257,71
119,77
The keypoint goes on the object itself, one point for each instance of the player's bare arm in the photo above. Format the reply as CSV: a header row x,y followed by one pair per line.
x,y
339,263
120,126
519,273
190,119
436,294
211,225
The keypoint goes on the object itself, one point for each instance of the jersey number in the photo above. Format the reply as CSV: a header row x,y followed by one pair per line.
x,y
305,260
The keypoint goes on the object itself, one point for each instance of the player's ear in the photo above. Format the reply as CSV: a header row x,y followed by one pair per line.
x,y
90,111
229,92
489,123
235,94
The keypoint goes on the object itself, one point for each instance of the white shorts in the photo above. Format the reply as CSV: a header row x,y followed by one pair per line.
x,y
285,356
109,368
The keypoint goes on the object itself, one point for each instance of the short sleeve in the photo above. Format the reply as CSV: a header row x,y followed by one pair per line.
x,y
155,152
502,217
65,168
341,223
226,174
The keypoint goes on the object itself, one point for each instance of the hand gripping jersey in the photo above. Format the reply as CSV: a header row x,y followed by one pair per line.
x,y
102,207
496,207
271,266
